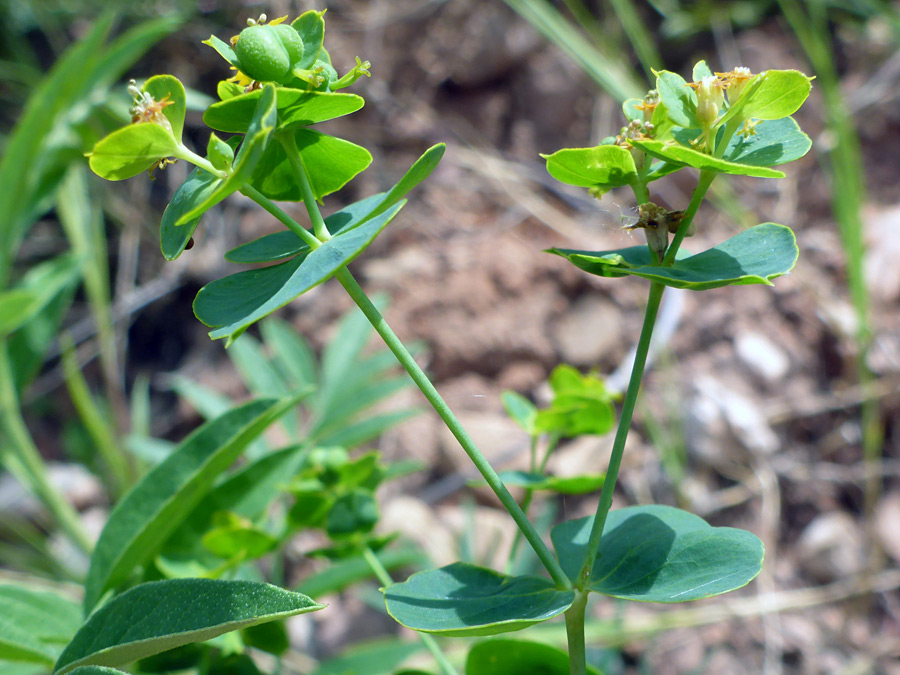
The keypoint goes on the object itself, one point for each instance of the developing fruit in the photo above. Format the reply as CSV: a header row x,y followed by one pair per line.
x,y
266,53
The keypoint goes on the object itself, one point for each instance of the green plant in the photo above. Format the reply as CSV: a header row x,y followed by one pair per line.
x,y
734,123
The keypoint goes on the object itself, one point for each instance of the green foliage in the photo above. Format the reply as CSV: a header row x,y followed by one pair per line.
x,y
188,516
466,600
36,623
581,405
660,554
160,615
156,506
755,256
518,657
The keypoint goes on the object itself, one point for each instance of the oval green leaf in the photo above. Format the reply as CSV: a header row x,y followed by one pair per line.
x,y
162,615
669,151
331,163
679,99
518,657
755,256
465,601
286,244
140,523
295,108
198,188
131,150
604,167
233,303
169,88
767,143
311,27
771,142
660,554
779,93
249,155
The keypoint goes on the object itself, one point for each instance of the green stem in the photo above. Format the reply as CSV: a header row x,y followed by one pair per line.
x,y
188,155
430,643
443,410
96,423
575,634
293,154
420,378
281,216
706,179
535,467
618,449
21,453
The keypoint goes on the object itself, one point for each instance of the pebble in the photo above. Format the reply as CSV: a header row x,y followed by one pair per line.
x,y
762,356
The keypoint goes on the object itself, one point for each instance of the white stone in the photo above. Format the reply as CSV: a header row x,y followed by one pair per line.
x,y
762,356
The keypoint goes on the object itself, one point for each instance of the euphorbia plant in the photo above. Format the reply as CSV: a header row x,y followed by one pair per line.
x,y
735,122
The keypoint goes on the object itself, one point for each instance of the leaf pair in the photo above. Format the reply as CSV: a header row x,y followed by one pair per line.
x,y
755,256
648,553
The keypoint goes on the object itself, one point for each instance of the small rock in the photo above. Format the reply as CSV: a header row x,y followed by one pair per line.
x,y
418,522
762,356
78,486
887,524
715,403
832,547
589,331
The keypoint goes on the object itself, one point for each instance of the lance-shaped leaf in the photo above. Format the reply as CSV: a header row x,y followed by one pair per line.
x,y
96,670
40,285
131,150
246,492
660,554
232,304
168,89
518,657
295,108
675,153
20,646
162,615
330,162
248,156
35,624
604,167
465,600
154,508
223,49
286,244
564,485
755,256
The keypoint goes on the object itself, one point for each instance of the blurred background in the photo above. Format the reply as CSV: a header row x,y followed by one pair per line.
x,y
772,409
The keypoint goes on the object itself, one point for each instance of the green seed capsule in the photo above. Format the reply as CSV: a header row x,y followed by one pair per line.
x,y
266,53
290,40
